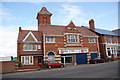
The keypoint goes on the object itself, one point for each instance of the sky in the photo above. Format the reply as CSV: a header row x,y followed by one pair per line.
x,y
23,14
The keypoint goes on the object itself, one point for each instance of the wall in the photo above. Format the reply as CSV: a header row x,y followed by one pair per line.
x,y
7,66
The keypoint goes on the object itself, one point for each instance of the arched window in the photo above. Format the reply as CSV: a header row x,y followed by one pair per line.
x,y
44,20
50,56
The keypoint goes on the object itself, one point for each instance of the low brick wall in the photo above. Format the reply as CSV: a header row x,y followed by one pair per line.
x,y
7,66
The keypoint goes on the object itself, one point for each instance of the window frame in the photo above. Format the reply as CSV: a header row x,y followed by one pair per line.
x,y
50,40
72,37
29,46
30,60
92,40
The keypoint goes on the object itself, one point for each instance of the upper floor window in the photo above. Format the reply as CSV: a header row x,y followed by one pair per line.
x,y
72,38
108,39
116,40
92,40
50,40
30,47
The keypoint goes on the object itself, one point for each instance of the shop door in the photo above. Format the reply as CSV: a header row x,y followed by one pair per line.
x,y
81,58
94,55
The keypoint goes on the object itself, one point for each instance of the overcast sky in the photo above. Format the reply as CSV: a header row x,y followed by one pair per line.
x,y
15,14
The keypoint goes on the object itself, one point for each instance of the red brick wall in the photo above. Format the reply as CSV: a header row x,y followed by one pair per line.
x,y
7,66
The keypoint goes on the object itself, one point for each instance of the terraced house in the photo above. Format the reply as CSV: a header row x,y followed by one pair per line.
x,y
68,44
109,41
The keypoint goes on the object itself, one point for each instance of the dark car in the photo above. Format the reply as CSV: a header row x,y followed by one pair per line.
x,y
96,60
51,64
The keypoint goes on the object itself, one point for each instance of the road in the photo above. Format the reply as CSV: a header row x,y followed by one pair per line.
x,y
101,70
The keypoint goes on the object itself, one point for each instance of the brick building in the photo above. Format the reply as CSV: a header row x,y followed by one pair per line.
x,y
109,41
69,44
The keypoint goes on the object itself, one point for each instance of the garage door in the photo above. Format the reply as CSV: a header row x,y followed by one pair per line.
x,y
81,58
93,55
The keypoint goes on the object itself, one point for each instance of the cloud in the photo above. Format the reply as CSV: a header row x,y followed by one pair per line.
x,y
71,12
8,39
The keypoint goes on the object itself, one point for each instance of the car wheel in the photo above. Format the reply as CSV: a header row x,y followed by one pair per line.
x,y
61,66
49,67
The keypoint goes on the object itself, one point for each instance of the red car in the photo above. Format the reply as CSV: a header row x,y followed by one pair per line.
x,y
54,64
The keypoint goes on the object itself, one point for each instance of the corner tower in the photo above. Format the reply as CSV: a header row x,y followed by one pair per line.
x,y
43,16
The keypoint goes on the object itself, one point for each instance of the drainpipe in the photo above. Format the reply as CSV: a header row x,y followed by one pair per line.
x,y
44,47
98,48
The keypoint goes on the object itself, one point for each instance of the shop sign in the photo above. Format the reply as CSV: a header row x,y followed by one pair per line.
x,y
67,51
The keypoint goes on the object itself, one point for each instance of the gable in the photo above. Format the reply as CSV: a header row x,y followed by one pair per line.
x,y
30,37
71,28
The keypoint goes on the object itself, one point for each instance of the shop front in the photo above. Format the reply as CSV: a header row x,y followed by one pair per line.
x,y
74,56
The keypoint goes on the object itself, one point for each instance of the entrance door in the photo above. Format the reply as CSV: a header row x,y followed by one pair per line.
x,y
94,55
40,60
81,58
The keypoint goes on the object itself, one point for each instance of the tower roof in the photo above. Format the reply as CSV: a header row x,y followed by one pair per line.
x,y
44,11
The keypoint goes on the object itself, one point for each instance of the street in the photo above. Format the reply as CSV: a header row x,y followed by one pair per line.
x,y
101,70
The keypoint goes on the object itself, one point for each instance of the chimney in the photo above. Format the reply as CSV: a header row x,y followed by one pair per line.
x,y
20,29
91,24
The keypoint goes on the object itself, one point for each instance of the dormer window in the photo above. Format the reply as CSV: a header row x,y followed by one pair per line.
x,y
72,38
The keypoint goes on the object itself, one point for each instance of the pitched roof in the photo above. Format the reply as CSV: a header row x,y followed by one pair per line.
x,y
44,11
59,30
117,31
23,33
103,32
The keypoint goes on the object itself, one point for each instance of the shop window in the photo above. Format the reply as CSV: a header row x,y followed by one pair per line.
x,y
50,40
72,38
50,56
30,48
27,60
92,40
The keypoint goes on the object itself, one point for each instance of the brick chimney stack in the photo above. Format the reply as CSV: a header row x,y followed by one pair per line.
x,y
91,24
20,29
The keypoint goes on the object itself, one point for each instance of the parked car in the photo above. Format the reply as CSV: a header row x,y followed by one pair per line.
x,y
96,60
51,64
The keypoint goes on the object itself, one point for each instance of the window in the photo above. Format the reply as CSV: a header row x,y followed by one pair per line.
x,y
39,47
72,38
108,40
30,48
44,20
116,40
27,60
51,56
109,52
50,40
92,40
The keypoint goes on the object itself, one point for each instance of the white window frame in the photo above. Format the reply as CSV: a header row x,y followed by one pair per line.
x,y
29,46
92,40
28,61
72,36
50,40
